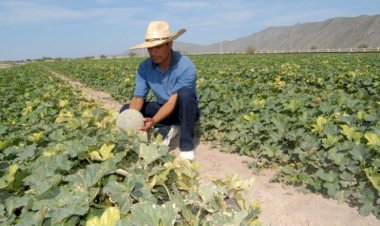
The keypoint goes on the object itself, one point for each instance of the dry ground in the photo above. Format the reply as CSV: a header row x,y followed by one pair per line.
x,y
4,66
281,205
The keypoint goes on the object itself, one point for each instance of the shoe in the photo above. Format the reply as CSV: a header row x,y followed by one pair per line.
x,y
173,132
189,155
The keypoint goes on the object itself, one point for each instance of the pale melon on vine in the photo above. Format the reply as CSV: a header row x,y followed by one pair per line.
x,y
130,119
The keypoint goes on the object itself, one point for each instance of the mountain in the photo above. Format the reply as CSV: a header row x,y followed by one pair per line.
x,y
340,32
343,32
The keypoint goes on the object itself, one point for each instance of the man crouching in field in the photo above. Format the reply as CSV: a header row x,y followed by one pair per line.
x,y
172,79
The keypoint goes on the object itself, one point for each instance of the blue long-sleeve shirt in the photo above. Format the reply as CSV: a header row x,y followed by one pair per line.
x,y
181,73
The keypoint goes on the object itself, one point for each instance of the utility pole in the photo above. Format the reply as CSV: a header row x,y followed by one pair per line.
x,y
220,45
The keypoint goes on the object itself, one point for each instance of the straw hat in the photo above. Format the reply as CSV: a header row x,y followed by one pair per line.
x,y
158,33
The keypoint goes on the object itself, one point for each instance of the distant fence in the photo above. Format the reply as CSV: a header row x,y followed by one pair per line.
x,y
263,51
328,50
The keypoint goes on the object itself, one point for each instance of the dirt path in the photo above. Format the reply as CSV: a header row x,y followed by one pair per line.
x,y
5,66
281,205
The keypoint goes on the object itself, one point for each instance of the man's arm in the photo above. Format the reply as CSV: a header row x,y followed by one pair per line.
x,y
136,103
164,112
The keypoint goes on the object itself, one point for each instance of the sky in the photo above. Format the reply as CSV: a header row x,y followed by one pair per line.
x,y
32,29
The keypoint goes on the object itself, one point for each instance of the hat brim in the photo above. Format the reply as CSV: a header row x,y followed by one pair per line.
x,y
159,42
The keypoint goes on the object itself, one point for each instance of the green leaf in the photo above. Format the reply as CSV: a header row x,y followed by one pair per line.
x,y
150,214
2,210
73,147
332,188
310,144
258,102
281,123
293,105
207,191
347,179
366,209
15,202
335,156
151,153
75,123
26,153
328,177
9,177
226,219
86,178
105,152
142,191
180,203
372,139
57,135
233,135
351,133
61,214
327,107
359,153
330,140
361,115
251,116
36,137
4,144
39,185
373,176
120,194
320,123
110,217
27,219
62,162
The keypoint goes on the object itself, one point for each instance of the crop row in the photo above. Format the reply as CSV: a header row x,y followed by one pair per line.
x,y
316,116
64,162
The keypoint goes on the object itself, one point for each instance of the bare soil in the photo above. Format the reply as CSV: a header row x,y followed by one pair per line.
x,y
281,204
4,66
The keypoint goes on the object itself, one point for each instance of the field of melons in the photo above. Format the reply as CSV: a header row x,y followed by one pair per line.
x,y
315,116
64,162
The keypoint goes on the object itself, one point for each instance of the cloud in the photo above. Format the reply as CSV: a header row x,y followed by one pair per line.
x,y
237,16
104,1
186,5
26,13
221,20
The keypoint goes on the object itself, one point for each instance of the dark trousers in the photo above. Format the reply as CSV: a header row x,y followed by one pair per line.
x,y
185,114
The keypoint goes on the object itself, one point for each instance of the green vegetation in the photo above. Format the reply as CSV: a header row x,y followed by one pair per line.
x,y
363,46
250,50
315,116
64,162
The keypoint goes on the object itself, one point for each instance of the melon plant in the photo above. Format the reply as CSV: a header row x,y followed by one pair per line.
x,y
315,116
65,162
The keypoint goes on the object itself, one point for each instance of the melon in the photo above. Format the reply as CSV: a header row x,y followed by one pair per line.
x,y
130,119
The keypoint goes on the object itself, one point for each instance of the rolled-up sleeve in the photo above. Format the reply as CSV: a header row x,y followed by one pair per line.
x,y
142,87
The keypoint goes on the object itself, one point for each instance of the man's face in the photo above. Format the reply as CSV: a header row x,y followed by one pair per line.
x,y
160,54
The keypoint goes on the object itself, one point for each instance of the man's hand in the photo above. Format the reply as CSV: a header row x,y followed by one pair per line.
x,y
149,123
